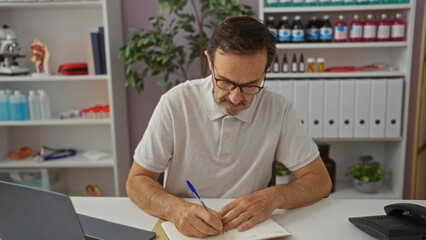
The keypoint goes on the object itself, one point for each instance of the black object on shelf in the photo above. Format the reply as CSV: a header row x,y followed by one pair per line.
x,y
329,163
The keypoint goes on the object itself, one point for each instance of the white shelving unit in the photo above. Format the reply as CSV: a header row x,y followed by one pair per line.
x,y
390,152
65,28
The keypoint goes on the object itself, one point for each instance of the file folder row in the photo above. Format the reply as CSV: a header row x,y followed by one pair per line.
x,y
346,108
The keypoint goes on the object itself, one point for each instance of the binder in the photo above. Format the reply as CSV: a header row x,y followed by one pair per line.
x,y
362,108
316,108
102,49
273,85
94,36
331,109
301,100
378,108
347,108
395,88
286,89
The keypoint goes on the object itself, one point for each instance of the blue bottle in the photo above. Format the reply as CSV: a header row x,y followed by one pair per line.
x,y
4,115
18,106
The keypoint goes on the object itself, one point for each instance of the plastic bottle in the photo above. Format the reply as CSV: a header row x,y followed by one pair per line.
x,y
369,29
285,3
341,30
302,64
349,2
337,2
326,30
4,115
284,66
321,64
294,65
398,28
310,3
276,65
9,94
298,3
270,22
18,106
355,30
44,105
311,65
284,30
34,105
312,30
271,3
329,163
383,29
323,2
297,30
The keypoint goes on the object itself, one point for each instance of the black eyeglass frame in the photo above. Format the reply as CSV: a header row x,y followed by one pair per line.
x,y
241,86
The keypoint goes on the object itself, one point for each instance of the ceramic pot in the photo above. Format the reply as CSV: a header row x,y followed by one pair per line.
x,y
367,187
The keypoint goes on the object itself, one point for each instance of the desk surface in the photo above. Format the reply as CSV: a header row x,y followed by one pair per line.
x,y
326,219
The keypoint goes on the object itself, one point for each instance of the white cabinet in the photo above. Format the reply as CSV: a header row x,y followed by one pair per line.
x,y
65,28
389,151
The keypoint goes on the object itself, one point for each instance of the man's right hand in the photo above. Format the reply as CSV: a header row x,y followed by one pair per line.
x,y
194,220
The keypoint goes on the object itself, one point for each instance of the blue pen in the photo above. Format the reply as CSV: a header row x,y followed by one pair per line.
x,y
196,194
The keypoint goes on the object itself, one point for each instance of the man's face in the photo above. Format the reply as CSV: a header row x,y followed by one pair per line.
x,y
241,70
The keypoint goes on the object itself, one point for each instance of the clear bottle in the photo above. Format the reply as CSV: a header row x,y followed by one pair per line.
x,y
294,64
369,29
355,30
302,64
312,30
34,105
44,105
271,3
18,106
298,3
284,30
9,94
276,65
284,66
329,163
285,3
326,30
398,28
383,29
310,3
323,2
341,30
270,22
4,114
297,30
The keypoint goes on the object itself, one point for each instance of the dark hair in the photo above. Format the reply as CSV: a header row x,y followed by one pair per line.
x,y
243,36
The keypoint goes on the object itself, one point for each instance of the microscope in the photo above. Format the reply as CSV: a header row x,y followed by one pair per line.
x,y
9,52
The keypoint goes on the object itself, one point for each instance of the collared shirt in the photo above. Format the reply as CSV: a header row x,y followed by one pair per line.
x,y
191,138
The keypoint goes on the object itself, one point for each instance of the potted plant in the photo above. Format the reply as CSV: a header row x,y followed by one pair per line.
x,y
367,175
282,173
157,51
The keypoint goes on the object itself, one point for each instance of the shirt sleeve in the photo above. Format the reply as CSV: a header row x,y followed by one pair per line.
x,y
296,148
155,149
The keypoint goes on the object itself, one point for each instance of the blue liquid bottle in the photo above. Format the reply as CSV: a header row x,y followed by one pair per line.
x,y
18,107
4,114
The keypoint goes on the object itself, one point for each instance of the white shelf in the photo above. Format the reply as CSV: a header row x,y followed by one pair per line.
x,y
351,8
53,4
342,45
56,122
345,189
77,161
53,78
334,75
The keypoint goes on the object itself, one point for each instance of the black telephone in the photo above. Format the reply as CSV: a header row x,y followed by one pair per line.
x,y
403,221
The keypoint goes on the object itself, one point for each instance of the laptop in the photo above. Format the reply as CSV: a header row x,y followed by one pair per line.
x,y
30,213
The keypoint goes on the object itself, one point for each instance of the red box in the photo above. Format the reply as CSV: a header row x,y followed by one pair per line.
x,y
73,69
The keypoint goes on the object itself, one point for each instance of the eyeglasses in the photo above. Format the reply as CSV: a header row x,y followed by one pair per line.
x,y
245,88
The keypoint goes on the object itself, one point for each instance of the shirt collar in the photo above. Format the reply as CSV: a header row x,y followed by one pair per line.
x,y
215,112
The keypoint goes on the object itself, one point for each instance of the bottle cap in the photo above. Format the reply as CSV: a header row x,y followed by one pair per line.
x,y
356,17
398,15
369,16
32,93
296,18
271,18
383,15
325,17
17,92
311,60
284,18
320,60
341,17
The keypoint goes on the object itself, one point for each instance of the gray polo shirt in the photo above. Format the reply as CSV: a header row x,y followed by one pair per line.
x,y
223,156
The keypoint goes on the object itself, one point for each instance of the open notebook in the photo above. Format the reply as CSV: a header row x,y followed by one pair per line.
x,y
268,229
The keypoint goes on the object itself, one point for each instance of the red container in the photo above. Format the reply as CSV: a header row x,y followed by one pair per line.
x,y
73,69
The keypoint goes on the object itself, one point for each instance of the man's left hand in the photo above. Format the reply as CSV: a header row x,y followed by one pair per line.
x,y
249,210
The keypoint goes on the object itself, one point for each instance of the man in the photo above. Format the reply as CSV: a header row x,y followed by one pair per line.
x,y
223,133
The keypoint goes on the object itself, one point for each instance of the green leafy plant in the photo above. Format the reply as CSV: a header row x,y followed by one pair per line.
x,y
281,170
157,48
367,170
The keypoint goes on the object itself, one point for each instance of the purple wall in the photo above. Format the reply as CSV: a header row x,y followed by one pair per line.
x,y
135,14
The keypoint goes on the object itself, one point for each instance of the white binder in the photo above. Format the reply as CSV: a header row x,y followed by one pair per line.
x,y
362,107
378,108
316,108
347,108
301,100
395,88
331,108
273,85
286,89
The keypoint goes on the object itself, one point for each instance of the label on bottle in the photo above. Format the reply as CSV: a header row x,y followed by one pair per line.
x,y
297,35
398,30
284,35
326,33
369,31
383,32
302,67
276,67
312,34
355,31
294,67
341,33
285,67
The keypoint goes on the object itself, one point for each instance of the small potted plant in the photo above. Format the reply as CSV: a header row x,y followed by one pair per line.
x,y
282,173
367,175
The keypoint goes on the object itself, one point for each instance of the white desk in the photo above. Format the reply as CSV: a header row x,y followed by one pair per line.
x,y
326,219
